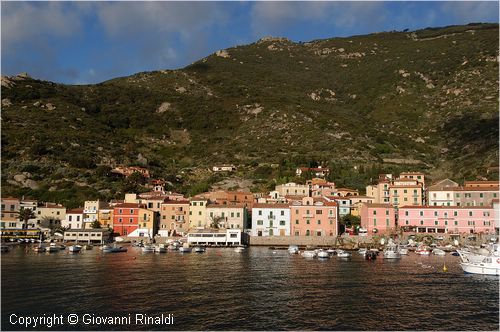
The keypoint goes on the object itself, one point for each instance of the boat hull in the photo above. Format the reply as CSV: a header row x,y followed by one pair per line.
x,y
477,268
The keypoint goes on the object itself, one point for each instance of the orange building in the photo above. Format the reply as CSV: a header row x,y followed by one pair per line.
x,y
313,217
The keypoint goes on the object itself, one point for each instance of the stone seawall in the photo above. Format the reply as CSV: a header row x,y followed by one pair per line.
x,y
320,241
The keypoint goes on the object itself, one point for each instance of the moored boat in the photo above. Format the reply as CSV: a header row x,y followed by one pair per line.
x,y
362,251
75,248
323,254
392,252
112,249
308,254
148,249
370,255
438,252
490,265
160,249
343,254
200,250
239,249
293,249
422,250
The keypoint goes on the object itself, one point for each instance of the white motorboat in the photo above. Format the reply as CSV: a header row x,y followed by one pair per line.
x,y
148,249
53,248
362,251
200,250
343,254
438,252
323,254
293,249
239,249
331,251
112,249
75,248
490,265
185,249
160,249
392,252
403,251
309,254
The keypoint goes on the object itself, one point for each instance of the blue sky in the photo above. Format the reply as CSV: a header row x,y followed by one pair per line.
x,y
89,42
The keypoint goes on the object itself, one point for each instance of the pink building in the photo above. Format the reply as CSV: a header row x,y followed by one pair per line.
x,y
313,217
447,219
378,218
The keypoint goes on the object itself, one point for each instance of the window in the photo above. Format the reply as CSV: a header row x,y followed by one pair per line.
x,y
297,233
436,223
237,214
407,222
131,211
70,218
387,222
296,222
211,214
120,211
232,214
374,222
421,213
199,213
406,213
201,203
308,233
374,212
435,213
319,212
119,219
260,212
481,195
282,223
446,222
297,211
190,213
456,223
486,214
308,222
130,220
58,213
470,213
319,222
405,191
282,213
386,212
260,222
194,203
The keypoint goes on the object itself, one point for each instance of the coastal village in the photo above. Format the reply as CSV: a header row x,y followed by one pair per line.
x,y
313,213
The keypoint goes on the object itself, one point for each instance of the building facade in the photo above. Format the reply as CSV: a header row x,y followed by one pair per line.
x,y
313,217
174,218
126,218
378,218
271,220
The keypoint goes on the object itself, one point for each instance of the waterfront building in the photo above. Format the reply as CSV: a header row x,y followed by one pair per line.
x,y
50,215
378,218
447,219
174,218
10,213
481,184
357,201
74,219
292,189
197,213
146,224
226,215
95,235
271,220
91,212
126,218
475,195
216,237
404,192
345,192
228,197
379,191
343,204
32,205
105,217
442,193
313,217
496,215
321,187
417,176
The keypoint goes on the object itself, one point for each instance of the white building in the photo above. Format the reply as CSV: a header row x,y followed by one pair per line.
x,y
228,215
100,235
221,237
73,220
91,212
271,220
442,193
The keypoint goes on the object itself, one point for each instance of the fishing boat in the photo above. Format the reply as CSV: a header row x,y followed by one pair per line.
x,y
239,249
323,254
438,252
392,252
422,250
200,250
148,249
309,254
293,249
343,254
490,265
75,248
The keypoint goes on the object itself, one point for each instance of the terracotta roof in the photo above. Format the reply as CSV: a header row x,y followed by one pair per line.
x,y
129,205
175,202
271,206
228,206
476,188
405,186
444,207
75,211
411,173
380,205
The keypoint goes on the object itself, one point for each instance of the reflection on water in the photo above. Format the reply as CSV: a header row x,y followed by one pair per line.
x,y
259,289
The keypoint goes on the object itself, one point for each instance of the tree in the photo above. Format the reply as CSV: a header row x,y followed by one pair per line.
x,y
216,221
95,224
349,220
25,215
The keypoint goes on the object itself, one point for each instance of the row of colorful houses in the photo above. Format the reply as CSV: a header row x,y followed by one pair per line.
x,y
311,209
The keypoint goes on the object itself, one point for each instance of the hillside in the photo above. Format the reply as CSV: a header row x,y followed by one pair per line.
x,y
423,100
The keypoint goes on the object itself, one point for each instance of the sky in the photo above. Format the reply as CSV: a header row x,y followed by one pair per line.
x,y
89,42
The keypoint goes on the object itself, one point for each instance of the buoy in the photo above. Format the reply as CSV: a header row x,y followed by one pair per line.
x,y
445,268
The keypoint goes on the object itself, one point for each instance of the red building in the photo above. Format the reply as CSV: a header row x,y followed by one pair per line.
x,y
126,218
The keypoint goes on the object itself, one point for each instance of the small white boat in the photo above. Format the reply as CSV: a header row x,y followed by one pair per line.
x,y
185,249
422,250
75,248
293,249
160,249
53,248
148,249
323,254
362,251
199,250
309,254
331,251
392,252
490,265
112,249
403,251
438,252
239,249
343,254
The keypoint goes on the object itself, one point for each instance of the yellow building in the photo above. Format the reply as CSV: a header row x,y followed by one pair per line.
x,y
379,192
105,217
405,192
50,215
147,222
197,213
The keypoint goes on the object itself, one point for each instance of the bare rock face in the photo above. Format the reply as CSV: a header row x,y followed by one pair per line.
x,y
32,184
141,159
163,107
6,102
50,107
223,54
6,82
